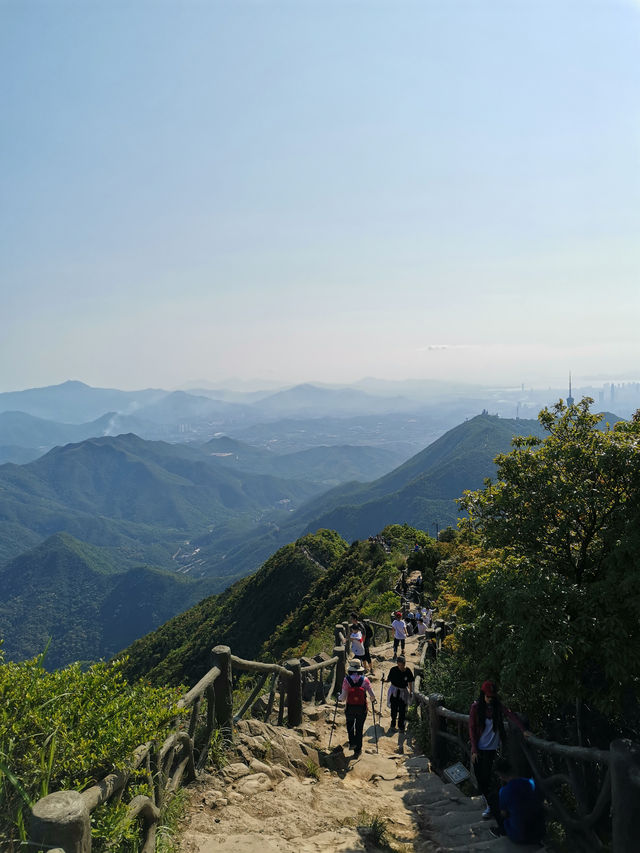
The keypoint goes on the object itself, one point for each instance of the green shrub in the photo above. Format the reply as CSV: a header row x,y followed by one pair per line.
x,y
66,730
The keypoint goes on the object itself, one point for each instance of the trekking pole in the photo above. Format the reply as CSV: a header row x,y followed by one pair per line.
x,y
381,692
375,728
333,724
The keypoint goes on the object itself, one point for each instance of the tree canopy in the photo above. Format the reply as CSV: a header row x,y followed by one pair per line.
x,y
549,604
565,500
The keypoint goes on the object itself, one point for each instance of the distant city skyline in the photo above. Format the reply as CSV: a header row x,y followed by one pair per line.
x,y
319,192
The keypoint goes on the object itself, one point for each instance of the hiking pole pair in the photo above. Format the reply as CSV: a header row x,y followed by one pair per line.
x,y
333,724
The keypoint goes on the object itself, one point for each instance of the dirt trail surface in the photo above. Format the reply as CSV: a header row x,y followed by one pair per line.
x,y
275,797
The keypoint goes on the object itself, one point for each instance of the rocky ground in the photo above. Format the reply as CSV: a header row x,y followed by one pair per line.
x,y
288,792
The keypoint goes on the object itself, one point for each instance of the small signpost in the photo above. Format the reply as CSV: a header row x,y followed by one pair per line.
x,y
457,773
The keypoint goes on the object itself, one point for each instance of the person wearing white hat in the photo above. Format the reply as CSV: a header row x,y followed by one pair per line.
x,y
355,688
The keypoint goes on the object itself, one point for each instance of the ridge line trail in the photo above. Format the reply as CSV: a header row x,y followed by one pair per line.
x,y
273,797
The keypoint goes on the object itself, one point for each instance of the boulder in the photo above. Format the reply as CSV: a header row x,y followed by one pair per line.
x,y
257,783
236,770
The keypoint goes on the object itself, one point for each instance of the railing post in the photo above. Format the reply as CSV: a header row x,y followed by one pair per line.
x,y
625,795
338,635
341,667
436,701
224,690
294,693
61,820
347,639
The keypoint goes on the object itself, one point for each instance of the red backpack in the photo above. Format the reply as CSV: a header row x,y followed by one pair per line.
x,y
356,694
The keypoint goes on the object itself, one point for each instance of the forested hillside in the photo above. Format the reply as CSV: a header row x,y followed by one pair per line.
x,y
74,600
422,492
244,616
138,498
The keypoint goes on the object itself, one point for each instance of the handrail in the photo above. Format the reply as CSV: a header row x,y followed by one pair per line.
x,y
198,690
178,756
617,790
313,667
379,624
258,666
107,787
576,753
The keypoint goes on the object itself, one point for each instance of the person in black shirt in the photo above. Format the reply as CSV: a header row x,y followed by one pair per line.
x,y
401,680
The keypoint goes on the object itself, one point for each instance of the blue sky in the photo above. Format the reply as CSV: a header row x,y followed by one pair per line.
x,y
319,190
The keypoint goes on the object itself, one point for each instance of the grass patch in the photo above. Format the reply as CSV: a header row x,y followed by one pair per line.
x,y
312,770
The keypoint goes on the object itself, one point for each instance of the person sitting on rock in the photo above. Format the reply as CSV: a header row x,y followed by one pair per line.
x,y
355,688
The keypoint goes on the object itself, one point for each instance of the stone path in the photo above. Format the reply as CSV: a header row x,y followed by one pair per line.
x,y
288,793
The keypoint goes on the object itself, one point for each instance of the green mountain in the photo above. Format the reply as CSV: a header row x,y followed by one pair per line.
x,y
421,492
289,607
141,499
76,597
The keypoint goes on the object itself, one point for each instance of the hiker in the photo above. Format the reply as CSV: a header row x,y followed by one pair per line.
x,y
486,728
354,691
411,624
399,633
422,628
520,812
356,636
360,647
400,691
368,638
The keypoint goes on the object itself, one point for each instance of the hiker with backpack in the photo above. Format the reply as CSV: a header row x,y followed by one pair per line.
x,y
355,688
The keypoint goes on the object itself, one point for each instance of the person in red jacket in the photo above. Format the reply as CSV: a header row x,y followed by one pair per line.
x,y
486,728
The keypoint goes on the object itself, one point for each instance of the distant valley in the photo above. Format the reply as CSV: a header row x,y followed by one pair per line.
x,y
104,537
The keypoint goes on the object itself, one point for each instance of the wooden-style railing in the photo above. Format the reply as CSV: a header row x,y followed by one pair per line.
x,y
62,821
617,803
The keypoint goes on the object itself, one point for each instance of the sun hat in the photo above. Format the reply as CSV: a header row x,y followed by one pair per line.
x,y
398,612
355,666
488,688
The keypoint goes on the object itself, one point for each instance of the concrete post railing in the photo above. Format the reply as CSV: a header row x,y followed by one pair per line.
x,y
294,693
341,666
61,820
224,690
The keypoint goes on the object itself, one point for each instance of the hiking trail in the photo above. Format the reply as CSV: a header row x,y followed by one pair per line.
x,y
275,797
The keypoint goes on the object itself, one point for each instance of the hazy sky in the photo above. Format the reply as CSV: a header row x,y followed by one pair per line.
x,y
319,190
